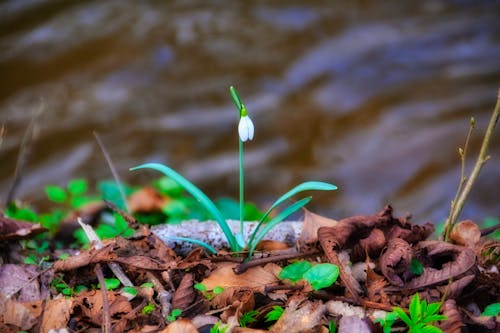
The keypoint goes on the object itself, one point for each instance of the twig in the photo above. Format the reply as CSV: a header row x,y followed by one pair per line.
x,y
106,316
242,268
113,170
481,160
2,134
487,231
24,151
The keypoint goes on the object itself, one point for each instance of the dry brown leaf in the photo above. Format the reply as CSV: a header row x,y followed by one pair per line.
x,y
253,278
465,233
298,320
147,200
90,303
450,261
453,323
353,324
396,260
180,326
56,314
311,225
15,313
371,246
271,245
19,278
184,294
11,229
375,285
247,330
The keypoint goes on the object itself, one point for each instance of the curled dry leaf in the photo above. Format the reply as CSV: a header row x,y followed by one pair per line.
x,y
445,261
184,294
466,233
371,245
396,260
455,288
453,323
16,314
11,229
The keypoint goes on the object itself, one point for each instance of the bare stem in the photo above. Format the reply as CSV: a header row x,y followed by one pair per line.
x,y
481,160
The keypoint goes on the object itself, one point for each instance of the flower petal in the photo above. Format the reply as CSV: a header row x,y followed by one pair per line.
x,y
245,129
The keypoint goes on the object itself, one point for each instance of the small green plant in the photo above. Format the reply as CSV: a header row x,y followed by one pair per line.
x,y
248,318
416,267
319,276
332,327
148,309
218,328
129,292
110,284
174,315
492,310
421,318
63,288
236,240
74,195
274,314
206,293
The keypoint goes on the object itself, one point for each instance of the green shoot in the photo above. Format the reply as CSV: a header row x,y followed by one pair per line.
x,y
416,267
148,309
332,327
421,319
274,314
218,328
248,318
174,315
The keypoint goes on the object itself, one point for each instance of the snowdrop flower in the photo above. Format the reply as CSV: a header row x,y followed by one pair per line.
x,y
245,127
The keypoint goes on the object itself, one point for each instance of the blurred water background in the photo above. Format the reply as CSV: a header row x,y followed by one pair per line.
x,y
372,96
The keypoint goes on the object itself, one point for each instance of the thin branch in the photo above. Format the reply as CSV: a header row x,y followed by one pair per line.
x,y
481,160
113,170
24,151
106,316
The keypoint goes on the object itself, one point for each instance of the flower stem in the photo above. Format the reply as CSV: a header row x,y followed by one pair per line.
x,y
242,188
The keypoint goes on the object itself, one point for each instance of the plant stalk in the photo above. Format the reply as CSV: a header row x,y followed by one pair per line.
x,y
481,160
242,188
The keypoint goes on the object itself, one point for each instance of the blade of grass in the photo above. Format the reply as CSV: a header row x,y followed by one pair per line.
x,y
271,224
204,245
197,194
306,186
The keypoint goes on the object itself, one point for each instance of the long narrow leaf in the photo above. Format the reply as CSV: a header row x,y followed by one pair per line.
x,y
432,308
194,241
197,194
306,186
403,316
271,224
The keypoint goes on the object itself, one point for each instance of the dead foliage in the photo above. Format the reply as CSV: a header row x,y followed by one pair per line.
x,y
376,255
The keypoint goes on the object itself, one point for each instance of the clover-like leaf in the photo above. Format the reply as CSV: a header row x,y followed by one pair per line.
x,y
294,272
322,275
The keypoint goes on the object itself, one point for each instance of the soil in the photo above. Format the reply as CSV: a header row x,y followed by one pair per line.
x,y
383,262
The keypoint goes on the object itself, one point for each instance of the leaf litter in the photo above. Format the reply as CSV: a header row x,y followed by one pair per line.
x,y
375,256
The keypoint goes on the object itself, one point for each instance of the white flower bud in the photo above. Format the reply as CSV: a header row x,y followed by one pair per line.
x,y
245,128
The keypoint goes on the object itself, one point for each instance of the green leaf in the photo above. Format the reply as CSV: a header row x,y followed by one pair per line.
x,y
77,186
204,245
416,267
199,195
236,98
30,260
218,290
332,327
111,283
306,186
148,309
255,239
21,213
430,329
492,310
80,288
274,314
415,310
111,192
322,275
175,208
105,231
147,285
248,318
169,187
56,193
403,316
490,222
200,287
432,308
295,272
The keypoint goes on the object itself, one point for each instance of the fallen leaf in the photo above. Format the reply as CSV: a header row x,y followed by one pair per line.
x,y
56,314
453,323
465,233
253,278
297,319
271,245
396,260
147,200
180,326
15,313
19,278
353,324
184,294
312,223
11,229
